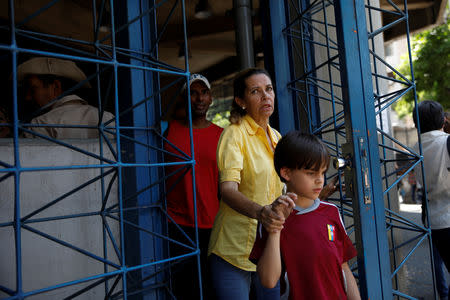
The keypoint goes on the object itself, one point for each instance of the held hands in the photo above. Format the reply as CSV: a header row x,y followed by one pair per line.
x,y
273,216
284,205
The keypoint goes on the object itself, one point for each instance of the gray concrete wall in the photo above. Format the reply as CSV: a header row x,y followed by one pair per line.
x,y
45,262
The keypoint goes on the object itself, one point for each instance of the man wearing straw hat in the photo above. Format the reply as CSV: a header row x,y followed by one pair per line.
x,y
47,84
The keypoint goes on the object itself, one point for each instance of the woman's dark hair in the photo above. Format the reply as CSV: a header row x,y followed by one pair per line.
x,y
431,116
297,150
239,86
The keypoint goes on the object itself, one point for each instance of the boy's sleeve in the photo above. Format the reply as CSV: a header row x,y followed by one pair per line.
x,y
348,250
258,246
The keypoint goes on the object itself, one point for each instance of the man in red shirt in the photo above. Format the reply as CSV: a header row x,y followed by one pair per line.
x,y
180,203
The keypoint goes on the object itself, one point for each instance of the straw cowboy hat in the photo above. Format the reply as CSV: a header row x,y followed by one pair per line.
x,y
51,66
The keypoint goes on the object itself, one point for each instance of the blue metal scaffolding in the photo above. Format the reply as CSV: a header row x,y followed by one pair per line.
x,y
126,69
330,75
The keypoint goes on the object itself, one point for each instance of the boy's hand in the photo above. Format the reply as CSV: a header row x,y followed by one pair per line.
x,y
284,204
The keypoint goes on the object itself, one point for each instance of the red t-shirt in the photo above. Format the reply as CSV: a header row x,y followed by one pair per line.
x,y
180,204
314,245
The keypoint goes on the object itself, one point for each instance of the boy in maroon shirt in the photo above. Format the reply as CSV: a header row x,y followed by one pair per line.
x,y
313,248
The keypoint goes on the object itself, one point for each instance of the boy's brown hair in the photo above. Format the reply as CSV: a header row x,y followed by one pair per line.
x,y
297,150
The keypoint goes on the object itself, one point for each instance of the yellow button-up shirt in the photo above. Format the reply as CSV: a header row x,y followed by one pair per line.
x,y
243,156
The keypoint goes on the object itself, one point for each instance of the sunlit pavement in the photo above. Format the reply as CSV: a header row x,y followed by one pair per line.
x,y
417,280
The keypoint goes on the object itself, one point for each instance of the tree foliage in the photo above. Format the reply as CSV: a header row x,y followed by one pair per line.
x,y
222,119
431,64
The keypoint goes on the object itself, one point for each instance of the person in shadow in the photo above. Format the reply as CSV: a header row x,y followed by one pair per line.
x,y
436,163
47,84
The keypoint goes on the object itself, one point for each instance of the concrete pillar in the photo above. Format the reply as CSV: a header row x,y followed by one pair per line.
x,y
244,33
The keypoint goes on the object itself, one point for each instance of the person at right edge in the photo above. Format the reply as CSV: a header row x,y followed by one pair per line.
x,y
436,163
250,189
439,268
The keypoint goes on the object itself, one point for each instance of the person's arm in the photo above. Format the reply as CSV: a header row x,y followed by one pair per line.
x,y
329,188
352,287
284,204
269,264
240,203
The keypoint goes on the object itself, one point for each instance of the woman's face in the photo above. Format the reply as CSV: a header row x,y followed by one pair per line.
x,y
258,98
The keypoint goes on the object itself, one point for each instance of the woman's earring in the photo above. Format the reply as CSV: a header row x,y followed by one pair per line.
x,y
243,107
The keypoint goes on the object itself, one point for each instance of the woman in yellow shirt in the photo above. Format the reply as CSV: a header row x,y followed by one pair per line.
x,y
248,185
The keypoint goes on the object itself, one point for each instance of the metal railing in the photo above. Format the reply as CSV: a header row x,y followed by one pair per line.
x,y
318,83
126,240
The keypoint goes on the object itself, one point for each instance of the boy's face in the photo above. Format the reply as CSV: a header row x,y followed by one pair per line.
x,y
304,182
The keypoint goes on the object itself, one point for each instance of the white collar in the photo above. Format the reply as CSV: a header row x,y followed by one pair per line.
x,y
301,211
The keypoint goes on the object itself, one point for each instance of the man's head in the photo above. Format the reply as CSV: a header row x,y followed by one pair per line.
x,y
45,78
431,116
200,95
447,122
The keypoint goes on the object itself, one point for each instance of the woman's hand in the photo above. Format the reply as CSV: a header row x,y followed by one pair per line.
x,y
240,203
284,204
273,216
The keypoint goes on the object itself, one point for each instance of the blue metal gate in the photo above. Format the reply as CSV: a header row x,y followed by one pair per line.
x,y
329,73
330,80
116,194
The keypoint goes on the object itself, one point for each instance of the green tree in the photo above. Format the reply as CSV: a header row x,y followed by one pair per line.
x,y
431,64
221,119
